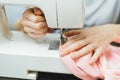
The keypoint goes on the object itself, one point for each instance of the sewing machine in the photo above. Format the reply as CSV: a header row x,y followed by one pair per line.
x,y
22,56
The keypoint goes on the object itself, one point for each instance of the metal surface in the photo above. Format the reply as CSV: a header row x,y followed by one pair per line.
x,y
54,45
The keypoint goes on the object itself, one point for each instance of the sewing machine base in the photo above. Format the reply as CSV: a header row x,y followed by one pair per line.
x,y
23,57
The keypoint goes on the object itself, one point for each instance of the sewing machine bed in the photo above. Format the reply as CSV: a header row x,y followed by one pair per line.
x,y
23,57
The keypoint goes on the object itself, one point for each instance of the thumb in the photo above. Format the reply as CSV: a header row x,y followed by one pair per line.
x,y
37,11
71,33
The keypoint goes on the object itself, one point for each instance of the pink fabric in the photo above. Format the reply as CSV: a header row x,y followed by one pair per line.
x,y
107,67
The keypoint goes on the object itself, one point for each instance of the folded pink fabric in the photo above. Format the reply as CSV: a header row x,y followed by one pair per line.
x,y
107,67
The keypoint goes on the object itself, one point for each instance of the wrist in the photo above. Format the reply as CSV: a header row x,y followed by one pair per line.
x,y
18,26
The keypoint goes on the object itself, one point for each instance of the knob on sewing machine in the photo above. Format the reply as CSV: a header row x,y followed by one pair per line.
x,y
59,14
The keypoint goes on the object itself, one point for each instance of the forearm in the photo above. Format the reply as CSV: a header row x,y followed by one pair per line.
x,y
117,30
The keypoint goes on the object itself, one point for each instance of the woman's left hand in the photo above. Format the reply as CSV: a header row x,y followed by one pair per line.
x,y
84,41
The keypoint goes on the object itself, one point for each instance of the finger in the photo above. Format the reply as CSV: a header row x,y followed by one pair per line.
x,y
37,11
71,33
85,50
74,47
34,35
96,55
29,14
68,43
33,25
71,40
72,37
37,31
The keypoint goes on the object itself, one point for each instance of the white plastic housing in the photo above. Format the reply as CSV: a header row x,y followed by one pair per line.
x,y
58,13
70,13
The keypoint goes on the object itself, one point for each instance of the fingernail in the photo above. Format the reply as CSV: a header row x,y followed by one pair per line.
x,y
73,55
61,53
91,62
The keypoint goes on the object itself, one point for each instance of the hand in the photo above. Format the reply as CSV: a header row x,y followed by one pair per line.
x,y
34,23
84,41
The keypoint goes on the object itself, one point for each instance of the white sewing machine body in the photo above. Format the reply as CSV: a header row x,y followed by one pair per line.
x,y
22,56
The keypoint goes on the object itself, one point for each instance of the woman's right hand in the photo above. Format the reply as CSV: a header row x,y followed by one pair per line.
x,y
34,23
